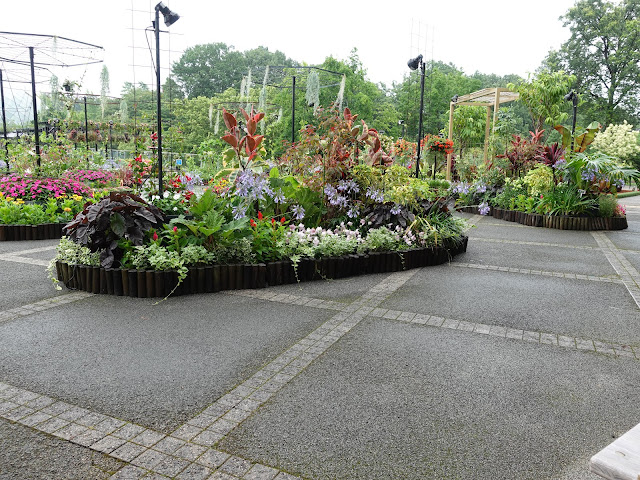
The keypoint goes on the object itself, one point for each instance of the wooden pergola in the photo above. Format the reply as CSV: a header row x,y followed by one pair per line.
x,y
487,97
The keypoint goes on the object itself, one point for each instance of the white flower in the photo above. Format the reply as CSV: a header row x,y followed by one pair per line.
x,y
176,196
165,194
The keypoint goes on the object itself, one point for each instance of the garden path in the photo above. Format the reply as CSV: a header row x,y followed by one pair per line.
x,y
519,359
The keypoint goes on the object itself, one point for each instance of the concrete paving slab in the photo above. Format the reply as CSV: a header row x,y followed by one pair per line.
x,y
515,232
21,284
554,259
392,400
153,365
625,240
344,290
577,308
10,247
27,454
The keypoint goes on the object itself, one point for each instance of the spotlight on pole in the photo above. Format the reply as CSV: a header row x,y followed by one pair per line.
x,y
414,64
169,19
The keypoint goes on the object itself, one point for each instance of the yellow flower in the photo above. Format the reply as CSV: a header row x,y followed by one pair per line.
x,y
77,198
9,199
66,209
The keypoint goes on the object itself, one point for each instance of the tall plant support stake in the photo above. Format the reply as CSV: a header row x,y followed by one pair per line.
x,y
4,124
35,106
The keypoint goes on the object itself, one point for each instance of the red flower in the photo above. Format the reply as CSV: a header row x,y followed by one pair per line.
x,y
273,221
253,224
282,220
155,236
259,215
175,229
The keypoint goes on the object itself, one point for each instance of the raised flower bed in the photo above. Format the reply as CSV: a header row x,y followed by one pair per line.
x,y
43,231
216,278
560,222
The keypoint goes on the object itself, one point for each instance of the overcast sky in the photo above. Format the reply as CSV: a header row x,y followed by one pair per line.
x,y
493,36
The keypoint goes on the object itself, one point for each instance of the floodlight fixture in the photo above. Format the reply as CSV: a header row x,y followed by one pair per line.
x,y
455,98
169,17
414,63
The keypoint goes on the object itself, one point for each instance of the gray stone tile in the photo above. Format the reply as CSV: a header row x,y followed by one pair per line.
x,y
128,451
148,438
261,472
108,444
213,458
130,472
149,459
195,472
129,431
169,445
171,466
190,451
236,466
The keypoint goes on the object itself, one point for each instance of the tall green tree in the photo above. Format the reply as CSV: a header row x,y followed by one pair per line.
x,y
205,70
603,52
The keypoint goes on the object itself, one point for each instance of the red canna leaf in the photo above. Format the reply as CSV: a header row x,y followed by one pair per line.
x,y
251,144
251,126
231,140
229,119
246,115
258,116
258,140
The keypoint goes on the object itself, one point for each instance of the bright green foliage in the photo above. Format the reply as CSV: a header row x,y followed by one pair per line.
x,y
619,141
544,97
468,127
607,205
539,179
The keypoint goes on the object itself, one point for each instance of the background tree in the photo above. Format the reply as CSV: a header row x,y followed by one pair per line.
x,y
604,54
543,95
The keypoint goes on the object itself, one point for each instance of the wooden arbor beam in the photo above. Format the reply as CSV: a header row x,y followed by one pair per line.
x,y
487,97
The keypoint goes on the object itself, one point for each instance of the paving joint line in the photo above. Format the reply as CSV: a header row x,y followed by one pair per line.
x,y
27,260
46,304
558,340
526,271
539,244
629,275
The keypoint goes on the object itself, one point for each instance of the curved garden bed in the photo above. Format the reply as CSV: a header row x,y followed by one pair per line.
x,y
215,278
560,222
44,231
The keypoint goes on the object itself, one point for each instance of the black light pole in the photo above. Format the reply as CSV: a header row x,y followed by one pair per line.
x,y
574,98
169,19
4,124
401,122
293,110
86,131
413,64
35,106
111,137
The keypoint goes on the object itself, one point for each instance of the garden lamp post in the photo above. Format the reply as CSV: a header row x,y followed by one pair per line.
x,y
574,98
86,131
4,124
111,137
414,64
169,19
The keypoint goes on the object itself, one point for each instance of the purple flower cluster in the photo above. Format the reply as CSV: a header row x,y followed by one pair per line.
x,y
298,212
190,180
460,188
484,208
252,187
348,186
375,195
481,188
335,198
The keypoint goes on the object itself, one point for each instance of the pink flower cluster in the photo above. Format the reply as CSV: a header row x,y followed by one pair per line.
x,y
31,188
99,176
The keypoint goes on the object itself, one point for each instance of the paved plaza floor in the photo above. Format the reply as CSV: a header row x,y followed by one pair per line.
x,y
517,360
